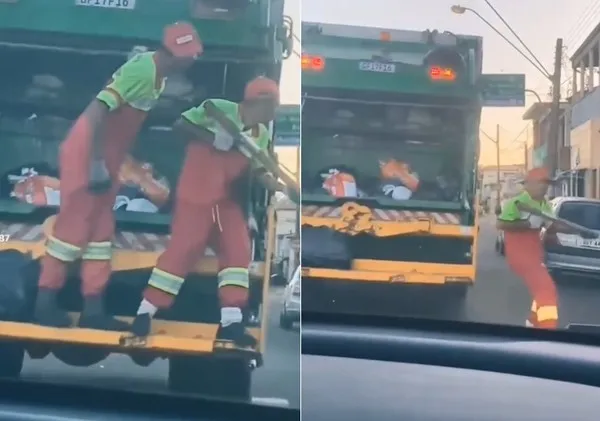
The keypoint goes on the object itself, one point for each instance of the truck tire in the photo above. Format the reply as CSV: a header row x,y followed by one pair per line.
x,y
206,375
11,360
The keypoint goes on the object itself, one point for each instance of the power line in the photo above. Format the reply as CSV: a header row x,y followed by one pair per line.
x,y
517,37
576,26
512,44
583,24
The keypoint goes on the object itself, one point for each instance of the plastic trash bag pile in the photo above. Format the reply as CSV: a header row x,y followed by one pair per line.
x,y
396,180
142,189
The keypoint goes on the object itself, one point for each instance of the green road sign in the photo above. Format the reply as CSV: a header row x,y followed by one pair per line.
x,y
287,125
503,90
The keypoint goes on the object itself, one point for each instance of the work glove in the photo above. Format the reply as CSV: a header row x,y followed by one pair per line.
x,y
223,140
99,179
535,221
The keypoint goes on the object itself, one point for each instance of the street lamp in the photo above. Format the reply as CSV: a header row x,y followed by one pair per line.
x,y
458,9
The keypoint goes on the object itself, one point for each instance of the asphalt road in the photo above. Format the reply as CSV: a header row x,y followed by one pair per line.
x,y
277,382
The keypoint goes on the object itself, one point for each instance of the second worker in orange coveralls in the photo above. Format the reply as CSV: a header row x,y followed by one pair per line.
x,y
524,251
205,209
90,159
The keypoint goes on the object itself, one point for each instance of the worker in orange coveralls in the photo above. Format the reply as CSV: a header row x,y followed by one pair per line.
x,y
524,251
205,209
90,158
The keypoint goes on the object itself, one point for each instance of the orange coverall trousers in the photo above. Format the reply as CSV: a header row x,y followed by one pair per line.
x,y
524,255
204,215
84,226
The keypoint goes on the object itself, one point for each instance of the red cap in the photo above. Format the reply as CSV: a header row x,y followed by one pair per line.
x,y
261,87
538,174
182,40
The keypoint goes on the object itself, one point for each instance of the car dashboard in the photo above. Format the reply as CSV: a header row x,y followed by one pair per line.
x,y
429,371
25,401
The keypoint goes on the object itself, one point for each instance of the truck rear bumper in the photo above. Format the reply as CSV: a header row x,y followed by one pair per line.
x,y
394,272
387,289
168,337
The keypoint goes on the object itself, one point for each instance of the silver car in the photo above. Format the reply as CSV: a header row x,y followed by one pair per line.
x,y
290,311
567,254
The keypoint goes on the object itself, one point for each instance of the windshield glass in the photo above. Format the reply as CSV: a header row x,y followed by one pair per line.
x,y
582,213
416,141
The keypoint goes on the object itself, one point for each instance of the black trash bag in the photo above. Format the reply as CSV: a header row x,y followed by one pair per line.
x,y
325,248
18,285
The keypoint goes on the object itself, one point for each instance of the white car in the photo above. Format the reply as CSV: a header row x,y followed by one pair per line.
x,y
290,311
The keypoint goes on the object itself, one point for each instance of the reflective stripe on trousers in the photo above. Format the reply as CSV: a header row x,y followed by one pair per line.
x,y
238,277
165,281
101,250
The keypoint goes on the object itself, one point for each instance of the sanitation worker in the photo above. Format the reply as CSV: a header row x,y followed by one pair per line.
x,y
523,248
205,209
90,158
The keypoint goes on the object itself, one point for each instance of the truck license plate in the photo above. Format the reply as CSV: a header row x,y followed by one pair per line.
x,y
108,4
373,66
587,243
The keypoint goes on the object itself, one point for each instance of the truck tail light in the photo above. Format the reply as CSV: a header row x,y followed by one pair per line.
x,y
313,63
437,73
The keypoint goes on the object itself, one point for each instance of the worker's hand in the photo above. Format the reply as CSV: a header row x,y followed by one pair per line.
x,y
99,178
223,140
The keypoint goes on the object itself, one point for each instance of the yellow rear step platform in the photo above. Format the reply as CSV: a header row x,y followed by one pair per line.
x,y
167,336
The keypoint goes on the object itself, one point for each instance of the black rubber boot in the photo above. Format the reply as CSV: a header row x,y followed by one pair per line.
x,y
142,325
47,312
237,333
94,317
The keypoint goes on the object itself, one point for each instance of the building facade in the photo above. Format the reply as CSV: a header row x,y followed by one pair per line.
x,y
584,173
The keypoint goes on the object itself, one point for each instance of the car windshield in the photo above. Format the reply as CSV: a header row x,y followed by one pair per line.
x,y
582,213
440,235
96,174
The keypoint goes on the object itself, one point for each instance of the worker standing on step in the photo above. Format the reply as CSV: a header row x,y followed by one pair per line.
x,y
523,248
90,159
205,209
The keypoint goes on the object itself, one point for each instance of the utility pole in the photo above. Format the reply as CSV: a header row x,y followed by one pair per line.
x,y
497,142
525,150
552,142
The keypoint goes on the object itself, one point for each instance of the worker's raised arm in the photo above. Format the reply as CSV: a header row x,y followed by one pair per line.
x,y
510,218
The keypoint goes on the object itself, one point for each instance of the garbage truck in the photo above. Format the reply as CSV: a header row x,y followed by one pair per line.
x,y
390,129
55,57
